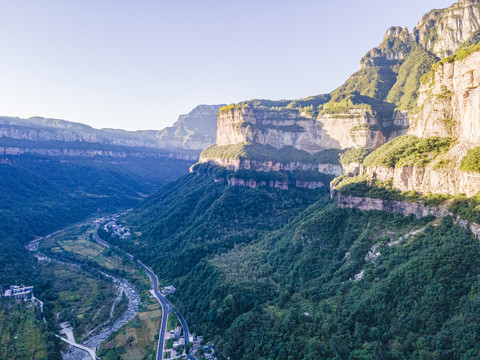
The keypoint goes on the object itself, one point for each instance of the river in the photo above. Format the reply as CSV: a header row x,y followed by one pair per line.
x,y
98,335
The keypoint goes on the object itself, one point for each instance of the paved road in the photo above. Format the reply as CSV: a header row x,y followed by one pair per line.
x,y
91,352
167,306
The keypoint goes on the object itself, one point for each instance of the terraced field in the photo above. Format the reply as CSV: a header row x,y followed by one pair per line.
x,y
22,333
137,339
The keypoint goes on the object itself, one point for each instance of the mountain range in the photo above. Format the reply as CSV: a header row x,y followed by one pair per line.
x,y
338,226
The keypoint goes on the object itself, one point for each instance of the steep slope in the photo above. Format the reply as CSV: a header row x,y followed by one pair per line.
x,y
194,131
440,152
271,274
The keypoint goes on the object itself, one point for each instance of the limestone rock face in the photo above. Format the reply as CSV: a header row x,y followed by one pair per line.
x,y
429,179
395,46
357,128
278,128
448,106
398,207
449,103
90,153
265,166
289,127
443,31
194,131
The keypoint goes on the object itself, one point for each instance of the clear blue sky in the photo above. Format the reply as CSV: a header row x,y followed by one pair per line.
x,y
138,64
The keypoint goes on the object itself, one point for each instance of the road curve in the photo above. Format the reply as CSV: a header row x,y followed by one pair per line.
x,y
167,306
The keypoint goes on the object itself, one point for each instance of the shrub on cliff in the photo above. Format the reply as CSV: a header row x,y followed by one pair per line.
x,y
471,161
355,155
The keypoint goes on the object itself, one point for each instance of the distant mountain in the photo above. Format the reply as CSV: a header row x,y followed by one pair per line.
x,y
55,172
188,135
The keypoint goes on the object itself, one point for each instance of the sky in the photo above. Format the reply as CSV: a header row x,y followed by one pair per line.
x,y
138,64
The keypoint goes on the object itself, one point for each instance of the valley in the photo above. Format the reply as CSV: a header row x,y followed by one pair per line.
x,y
343,225
96,308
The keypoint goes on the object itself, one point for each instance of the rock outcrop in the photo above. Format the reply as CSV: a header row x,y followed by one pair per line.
x,y
449,101
265,166
90,153
375,106
193,131
405,208
448,106
277,128
356,128
443,31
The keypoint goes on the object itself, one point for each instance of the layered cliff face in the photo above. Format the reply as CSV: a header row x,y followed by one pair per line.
x,y
191,132
442,32
277,128
376,105
291,127
448,108
449,101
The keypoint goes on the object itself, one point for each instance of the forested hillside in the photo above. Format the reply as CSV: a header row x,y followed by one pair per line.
x,y
273,274
42,194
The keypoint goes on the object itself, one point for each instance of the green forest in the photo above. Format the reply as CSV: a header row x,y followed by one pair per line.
x,y
39,195
272,274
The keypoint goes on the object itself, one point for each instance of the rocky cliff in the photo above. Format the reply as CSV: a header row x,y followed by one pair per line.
x,y
277,128
374,105
405,208
448,107
443,31
449,100
266,166
193,131
190,133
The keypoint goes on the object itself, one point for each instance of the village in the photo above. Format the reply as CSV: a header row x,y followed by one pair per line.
x,y
175,344
175,339
117,230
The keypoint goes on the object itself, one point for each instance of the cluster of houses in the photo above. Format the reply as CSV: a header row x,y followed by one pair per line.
x,y
202,351
17,292
117,230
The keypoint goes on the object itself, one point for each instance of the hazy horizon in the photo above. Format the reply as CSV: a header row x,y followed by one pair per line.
x,y
139,65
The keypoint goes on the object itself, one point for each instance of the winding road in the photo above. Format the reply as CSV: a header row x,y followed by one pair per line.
x,y
167,306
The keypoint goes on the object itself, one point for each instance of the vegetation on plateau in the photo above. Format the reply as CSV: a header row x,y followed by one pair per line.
x,y
408,150
260,152
289,177
354,155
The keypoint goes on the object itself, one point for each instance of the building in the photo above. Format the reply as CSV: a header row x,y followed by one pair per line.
x,y
169,290
178,332
18,292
